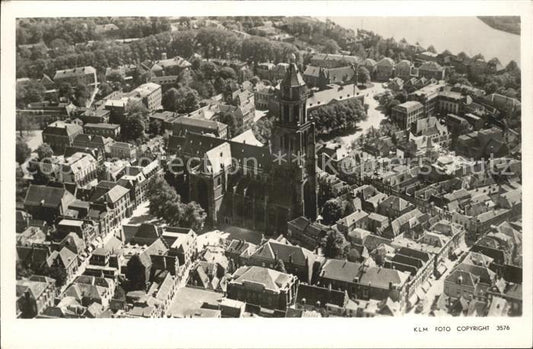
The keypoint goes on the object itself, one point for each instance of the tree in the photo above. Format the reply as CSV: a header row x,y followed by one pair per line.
x,y
44,151
227,73
29,92
432,49
59,274
182,100
155,127
390,105
65,89
331,46
338,117
262,129
81,94
104,89
334,243
22,151
165,203
353,255
115,76
40,177
332,211
21,184
136,273
25,123
363,75
132,128
512,67
193,216
231,120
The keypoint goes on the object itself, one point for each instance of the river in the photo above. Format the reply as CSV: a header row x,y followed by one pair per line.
x,y
456,34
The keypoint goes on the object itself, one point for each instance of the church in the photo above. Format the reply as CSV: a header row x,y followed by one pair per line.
x,y
251,186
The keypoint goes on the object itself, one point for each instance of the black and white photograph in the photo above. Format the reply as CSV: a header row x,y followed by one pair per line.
x,y
177,167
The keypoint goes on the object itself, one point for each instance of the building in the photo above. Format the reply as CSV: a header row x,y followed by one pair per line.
x,y
452,102
321,77
79,168
303,232
184,124
85,75
403,70
296,260
329,60
275,192
431,70
116,198
122,150
382,283
370,65
334,93
169,66
357,219
433,130
340,275
166,118
104,130
34,295
136,182
46,202
95,116
150,95
264,95
428,96
384,69
263,287
86,143
406,113
60,135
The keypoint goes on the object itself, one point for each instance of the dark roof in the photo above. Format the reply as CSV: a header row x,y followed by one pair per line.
x,y
46,196
313,294
406,251
147,231
287,253
102,125
371,242
336,269
400,258
380,277
196,145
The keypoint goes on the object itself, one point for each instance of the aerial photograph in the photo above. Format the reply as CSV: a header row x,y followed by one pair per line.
x,y
268,167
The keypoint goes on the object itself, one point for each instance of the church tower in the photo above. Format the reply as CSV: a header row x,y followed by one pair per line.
x,y
293,150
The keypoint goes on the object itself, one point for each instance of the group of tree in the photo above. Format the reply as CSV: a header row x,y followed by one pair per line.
x,y
61,32
166,204
29,92
338,117
78,94
336,208
22,151
262,129
133,125
182,100
317,33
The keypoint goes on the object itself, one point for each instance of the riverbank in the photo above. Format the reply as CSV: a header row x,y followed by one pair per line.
x,y
463,34
508,24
